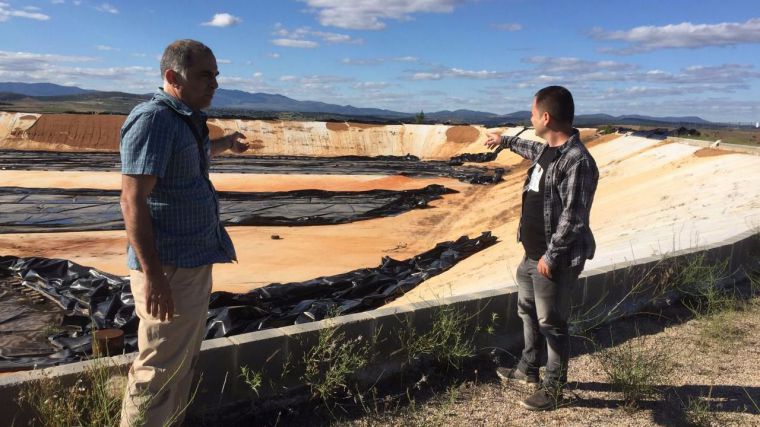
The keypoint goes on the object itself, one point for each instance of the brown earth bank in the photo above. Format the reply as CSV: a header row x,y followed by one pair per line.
x,y
93,132
89,132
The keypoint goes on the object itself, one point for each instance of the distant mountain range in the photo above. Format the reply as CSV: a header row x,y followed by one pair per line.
x,y
48,97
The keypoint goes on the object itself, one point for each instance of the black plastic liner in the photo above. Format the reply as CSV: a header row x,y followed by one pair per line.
x,y
486,157
94,299
345,165
27,210
474,157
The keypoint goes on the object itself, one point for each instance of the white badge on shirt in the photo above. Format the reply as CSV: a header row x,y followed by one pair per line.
x,y
535,178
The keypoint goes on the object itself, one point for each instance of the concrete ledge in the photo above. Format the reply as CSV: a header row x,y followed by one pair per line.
x,y
599,292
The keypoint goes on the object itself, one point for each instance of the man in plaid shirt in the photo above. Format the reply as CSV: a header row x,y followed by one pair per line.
x,y
555,232
171,212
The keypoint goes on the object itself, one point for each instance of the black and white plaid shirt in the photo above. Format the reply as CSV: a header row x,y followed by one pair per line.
x,y
571,181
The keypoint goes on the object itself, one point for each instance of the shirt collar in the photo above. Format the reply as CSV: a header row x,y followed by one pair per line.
x,y
172,102
574,138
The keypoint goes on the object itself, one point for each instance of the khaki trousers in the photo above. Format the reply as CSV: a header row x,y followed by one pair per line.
x,y
158,383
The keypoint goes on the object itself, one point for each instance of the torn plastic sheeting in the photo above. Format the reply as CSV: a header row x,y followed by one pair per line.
x,y
343,165
105,300
473,157
27,210
486,157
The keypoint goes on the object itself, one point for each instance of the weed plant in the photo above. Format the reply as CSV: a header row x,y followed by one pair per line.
x,y
636,369
252,378
331,363
447,342
698,413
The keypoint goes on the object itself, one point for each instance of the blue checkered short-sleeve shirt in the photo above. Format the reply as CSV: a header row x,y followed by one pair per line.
x,y
183,205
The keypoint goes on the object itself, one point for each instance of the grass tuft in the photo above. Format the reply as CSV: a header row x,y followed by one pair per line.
x,y
636,369
447,342
330,364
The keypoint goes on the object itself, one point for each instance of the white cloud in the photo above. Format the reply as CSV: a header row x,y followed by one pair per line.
x,y
699,74
470,74
32,8
224,61
313,85
7,12
303,44
57,1
62,69
427,76
371,14
441,73
611,80
249,84
258,74
508,26
336,38
107,8
376,61
274,55
307,34
373,86
367,61
27,61
576,65
223,20
105,48
683,35
139,55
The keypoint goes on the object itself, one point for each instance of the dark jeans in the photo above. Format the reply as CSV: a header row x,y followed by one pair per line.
x,y
544,306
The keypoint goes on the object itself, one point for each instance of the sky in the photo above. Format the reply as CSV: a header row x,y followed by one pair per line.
x,y
660,58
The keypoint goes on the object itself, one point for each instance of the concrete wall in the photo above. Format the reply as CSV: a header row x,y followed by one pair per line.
x,y
622,290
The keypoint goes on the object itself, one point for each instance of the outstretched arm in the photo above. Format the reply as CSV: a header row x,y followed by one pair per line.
x,y
526,148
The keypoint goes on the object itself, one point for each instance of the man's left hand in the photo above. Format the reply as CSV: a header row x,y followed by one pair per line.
x,y
543,268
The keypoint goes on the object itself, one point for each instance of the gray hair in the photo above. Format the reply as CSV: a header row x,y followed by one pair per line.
x,y
179,55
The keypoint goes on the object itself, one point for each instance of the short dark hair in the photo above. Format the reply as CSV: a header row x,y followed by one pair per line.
x,y
558,102
179,55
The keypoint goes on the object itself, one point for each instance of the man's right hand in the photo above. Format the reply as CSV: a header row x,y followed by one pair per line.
x,y
158,302
493,140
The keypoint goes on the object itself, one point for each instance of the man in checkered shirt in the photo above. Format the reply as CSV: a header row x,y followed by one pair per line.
x,y
556,235
171,212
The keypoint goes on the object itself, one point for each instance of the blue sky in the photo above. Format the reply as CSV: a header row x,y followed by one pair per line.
x,y
665,57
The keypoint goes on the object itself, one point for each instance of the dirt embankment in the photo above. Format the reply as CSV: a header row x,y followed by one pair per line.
x,y
78,131
82,132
